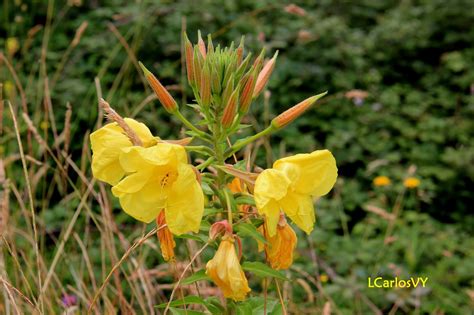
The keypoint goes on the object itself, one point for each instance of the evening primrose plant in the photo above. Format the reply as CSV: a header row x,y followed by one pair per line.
x,y
154,179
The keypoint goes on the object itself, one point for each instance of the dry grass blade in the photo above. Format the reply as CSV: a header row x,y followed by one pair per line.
x,y
182,275
113,116
30,197
119,263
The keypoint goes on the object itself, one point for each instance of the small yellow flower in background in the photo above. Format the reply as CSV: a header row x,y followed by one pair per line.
x,y
381,181
107,144
225,270
9,89
44,125
167,243
323,278
161,178
12,45
411,182
290,185
280,247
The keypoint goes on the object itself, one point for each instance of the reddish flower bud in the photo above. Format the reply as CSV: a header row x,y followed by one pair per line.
x,y
240,51
197,67
163,95
189,52
201,45
294,112
247,92
230,110
221,227
264,75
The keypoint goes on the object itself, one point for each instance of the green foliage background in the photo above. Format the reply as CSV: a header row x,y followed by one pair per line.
x,y
414,58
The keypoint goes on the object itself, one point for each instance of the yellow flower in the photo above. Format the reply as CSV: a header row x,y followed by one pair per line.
x,y
323,278
381,181
289,186
225,270
107,145
167,243
13,45
280,247
411,182
160,178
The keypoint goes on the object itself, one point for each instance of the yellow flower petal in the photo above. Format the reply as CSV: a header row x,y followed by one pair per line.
x,y
185,204
139,196
107,144
313,174
300,210
271,184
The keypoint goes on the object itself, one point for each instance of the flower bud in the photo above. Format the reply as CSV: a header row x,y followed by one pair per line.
x,y
201,45
197,66
167,243
189,51
294,112
222,227
240,50
210,46
247,92
264,75
205,91
230,110
163,95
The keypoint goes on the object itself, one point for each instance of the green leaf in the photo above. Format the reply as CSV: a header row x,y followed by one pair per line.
x,y
247,229
190,299
214,306
196,237
245,200
197,276
180,311
262,270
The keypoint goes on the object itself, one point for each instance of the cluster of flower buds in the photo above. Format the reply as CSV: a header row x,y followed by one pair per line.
x,y
223,81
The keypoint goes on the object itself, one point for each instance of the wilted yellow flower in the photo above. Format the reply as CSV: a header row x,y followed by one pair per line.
x,y
280,247
167,243
160,178
411,182
289,186
12,45
226,272
107,145
381,181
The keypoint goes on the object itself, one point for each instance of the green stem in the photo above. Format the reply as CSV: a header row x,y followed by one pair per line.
x,y
206,163
243,142
188,124
200,149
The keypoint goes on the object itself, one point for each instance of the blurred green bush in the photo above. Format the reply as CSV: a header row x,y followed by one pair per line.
x,y
415,60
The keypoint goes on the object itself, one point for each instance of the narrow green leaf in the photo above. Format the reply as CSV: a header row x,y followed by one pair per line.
x,y
245,200
262,270
190,299
197,276
247,229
